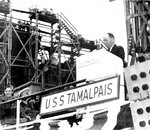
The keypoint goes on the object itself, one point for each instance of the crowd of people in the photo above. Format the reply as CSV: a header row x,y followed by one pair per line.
x,y
29,107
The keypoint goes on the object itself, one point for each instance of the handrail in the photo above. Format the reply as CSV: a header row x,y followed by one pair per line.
x,y
69,21
35,94
44,92
66,21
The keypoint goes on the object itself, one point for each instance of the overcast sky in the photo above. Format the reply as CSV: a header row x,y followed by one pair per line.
x,y
92,18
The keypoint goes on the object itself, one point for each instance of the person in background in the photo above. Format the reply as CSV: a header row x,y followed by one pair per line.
x,y
9,109
29,107
8,93
109,41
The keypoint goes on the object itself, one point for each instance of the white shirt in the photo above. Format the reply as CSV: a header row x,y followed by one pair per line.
x,y
111,47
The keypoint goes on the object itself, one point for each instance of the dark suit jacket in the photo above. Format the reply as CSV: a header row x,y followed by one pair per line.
x,y
118,51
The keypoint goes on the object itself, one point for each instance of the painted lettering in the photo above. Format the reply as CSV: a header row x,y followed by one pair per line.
x,y
61,100
69,97
79,95
109,88
48,103
55,102
95,91
90,94
85,95
100,91
73,99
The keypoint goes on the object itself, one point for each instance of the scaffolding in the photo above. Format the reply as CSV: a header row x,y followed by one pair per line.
x,y
39,53
5,43
137,19
40,49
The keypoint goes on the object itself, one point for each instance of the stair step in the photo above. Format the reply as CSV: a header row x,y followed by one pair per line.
x,y
67,29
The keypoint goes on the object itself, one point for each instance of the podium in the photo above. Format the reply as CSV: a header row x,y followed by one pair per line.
x,y
100,65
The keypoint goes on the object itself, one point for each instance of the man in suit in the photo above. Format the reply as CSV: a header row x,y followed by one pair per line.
x,y
109,41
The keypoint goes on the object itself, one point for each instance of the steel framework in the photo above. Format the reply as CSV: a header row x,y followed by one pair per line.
x,y
41,49
137,18
5,43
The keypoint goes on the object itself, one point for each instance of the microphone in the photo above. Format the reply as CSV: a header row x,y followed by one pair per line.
x,y
101,45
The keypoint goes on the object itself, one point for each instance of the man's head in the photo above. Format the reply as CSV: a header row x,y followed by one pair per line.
x,y
108,40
